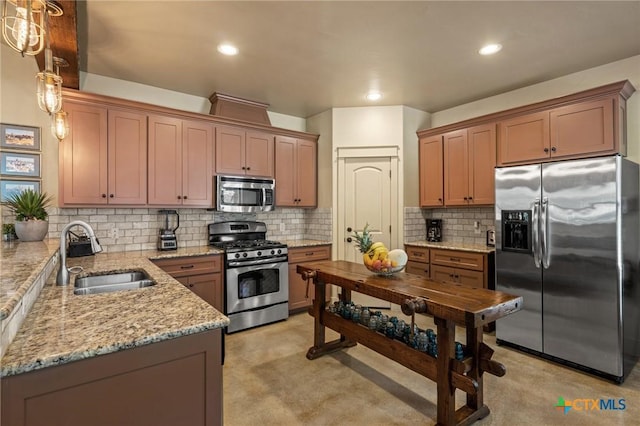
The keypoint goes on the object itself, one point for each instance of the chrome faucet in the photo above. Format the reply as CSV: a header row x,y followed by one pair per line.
x,y
63,272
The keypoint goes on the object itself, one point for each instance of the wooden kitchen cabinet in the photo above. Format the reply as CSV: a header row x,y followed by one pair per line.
x,y
418,261
430,170
296,172
469,162
578,130
299,299
200,274
103,160
463,267
180,162
172,382
240,152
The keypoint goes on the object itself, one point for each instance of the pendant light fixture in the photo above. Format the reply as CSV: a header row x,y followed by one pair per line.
x,y
23,24
49,85
60,125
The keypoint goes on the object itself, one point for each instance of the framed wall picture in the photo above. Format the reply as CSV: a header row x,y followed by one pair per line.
x,y
14,136
19,164
8,187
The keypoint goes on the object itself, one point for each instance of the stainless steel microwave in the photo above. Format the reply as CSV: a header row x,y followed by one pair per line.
x,y
244,194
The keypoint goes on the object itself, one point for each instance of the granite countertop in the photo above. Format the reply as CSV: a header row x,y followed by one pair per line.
x,y
63,327
479,248
305,243
21,263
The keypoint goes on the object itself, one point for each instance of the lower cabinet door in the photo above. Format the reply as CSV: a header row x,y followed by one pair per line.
x,y
207,286
418,268
443,273
298,290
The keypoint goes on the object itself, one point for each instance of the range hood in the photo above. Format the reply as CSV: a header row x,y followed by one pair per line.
x,y
240,109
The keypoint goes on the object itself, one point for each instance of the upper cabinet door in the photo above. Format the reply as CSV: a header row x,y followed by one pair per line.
x,y
306,164
582,128
197,163
127,157
285,171
83,156
165,160
456,169
482,163
230,151
431,176
259,154
524,139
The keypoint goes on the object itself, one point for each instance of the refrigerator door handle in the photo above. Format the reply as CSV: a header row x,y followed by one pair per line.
x,y
535,235
544,233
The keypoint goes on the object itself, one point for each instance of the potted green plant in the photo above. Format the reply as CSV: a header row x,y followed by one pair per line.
x,y
8,232
29,207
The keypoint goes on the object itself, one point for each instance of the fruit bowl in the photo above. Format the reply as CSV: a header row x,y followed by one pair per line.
x,y
385,271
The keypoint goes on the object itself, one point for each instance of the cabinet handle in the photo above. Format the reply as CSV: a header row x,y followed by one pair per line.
x,y
310,253
244,168
553,149
179,197
187,266
470,198
466,198
454,259
190,285
440,199
110,195
248,168
104,195
546,150
184,198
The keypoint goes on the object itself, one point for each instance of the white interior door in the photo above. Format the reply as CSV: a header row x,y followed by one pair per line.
x,y
367,200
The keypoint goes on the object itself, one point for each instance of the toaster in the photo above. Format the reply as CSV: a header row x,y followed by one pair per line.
x,y
491,238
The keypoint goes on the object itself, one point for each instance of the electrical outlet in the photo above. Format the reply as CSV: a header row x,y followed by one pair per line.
x,y
282,229
476,227
114,233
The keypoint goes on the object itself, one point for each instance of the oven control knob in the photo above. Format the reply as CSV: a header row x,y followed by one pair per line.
x,y
244,254
273,252
237,255
279,251
259,253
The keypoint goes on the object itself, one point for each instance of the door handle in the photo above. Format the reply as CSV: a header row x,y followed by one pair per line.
x,y
544,225
349,239
535,233
349,229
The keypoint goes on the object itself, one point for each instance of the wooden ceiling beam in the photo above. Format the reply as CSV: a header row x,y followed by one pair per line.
x,y
64,44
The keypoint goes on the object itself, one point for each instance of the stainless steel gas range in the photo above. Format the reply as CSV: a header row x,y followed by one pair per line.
x,y
256,274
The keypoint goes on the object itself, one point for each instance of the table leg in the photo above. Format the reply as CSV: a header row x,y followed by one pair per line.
x,y
320,347
474,339
446,351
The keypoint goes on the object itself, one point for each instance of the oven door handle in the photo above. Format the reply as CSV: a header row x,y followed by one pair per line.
x,y
257,262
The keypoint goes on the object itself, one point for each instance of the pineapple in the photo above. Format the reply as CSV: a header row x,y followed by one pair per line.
x,y
363,241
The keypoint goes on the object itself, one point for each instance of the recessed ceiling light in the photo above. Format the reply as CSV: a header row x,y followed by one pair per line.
x,y
490,49
374,96
227,49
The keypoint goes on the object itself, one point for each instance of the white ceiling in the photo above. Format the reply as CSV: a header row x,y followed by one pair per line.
x,y
303,58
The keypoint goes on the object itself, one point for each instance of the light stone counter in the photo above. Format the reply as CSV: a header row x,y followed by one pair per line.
x,y
304,243
63,327
479,248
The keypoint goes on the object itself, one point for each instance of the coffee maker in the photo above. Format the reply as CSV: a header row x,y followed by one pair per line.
x,y
167,238
434,230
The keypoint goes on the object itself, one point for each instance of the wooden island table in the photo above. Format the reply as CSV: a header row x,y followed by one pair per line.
x,y
450,305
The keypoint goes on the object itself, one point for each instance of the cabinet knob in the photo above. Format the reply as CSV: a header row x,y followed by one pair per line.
x,y
104,195
553,149
179,197
440,199
470,198
190,285
546,150
184,198
110,195
248,168
466,198
244,168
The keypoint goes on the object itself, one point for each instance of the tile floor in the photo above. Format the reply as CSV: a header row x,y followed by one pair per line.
x,y
269,381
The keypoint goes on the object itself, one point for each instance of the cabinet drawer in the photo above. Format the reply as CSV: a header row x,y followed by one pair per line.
x,y
459,259
456,275
190,265
418,268
308,254
417,254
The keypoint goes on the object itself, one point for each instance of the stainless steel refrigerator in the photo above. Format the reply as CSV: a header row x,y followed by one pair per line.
x,y
567,241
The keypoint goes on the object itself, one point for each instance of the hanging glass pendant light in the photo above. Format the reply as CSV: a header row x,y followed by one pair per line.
x,y
23,23
49,86
60,125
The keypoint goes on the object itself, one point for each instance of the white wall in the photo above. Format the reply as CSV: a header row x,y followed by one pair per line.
x,y
321,124
367,126
94,83
413,120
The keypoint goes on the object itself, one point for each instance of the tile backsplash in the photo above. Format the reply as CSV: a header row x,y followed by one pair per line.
x,y
126,229
457,223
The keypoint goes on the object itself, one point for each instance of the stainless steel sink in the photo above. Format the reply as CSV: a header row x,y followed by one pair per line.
x,y
108,282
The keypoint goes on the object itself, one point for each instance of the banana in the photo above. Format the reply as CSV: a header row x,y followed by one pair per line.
x,y
376,245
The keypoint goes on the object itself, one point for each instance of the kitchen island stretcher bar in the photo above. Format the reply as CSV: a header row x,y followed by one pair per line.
x,y
450,305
